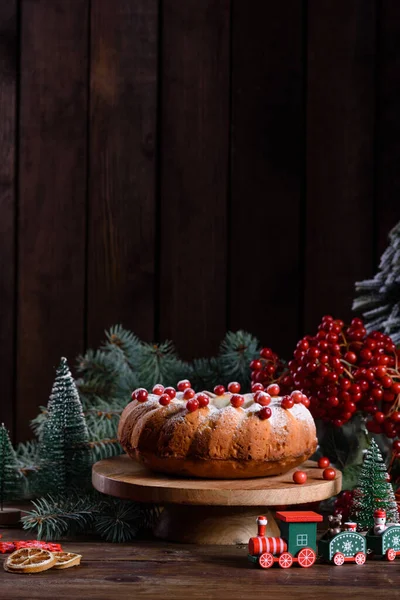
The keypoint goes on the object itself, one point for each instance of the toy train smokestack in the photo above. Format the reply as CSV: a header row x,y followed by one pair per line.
x,y
260,544
262,525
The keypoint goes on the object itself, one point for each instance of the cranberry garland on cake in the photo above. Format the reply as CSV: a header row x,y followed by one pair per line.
x,y
219,435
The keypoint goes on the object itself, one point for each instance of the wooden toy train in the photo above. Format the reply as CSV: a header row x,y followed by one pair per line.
x,y
298,542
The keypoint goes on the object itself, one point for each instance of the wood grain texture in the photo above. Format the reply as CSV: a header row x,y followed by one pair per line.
x,y
340,154
52,185
194,173
124,478
121,257
387,149
8,83
165,571
267,171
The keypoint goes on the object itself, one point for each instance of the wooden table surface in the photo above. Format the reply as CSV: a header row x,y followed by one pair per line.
x,y
154,569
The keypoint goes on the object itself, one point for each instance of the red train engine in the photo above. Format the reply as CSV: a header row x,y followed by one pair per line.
x,y
297,544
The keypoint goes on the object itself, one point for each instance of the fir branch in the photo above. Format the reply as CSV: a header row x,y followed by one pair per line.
x,y
119,520
55,516
126,342
159,363
236,352
104,448
37,424
114,520
206,373
379,298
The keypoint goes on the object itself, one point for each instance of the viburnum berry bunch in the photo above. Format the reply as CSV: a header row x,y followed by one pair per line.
x,y
343,370
269,368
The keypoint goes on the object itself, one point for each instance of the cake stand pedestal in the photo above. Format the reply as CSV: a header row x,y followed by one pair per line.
x,y
210,511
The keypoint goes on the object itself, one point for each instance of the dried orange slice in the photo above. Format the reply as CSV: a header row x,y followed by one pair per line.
x,y
66,560
29,560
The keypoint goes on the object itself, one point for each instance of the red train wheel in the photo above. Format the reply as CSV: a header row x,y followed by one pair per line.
x,y
266,560
390,554
338,559
306,557
285,560
360,558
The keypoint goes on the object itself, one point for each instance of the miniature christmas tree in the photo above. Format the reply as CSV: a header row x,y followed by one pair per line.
x,y
379,299
373,491
64,449
10,478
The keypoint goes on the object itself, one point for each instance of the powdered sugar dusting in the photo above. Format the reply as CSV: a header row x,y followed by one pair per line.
x,y
278,419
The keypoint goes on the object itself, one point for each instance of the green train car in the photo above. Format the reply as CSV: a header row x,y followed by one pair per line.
x,y
347,546
385,545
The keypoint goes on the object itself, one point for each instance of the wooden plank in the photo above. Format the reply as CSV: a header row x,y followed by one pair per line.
x,y
52,182
387,122
121,258
340,154
8,77
168,571
267,170
194,173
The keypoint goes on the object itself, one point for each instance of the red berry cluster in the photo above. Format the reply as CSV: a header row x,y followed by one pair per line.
x,y
344,370
269,368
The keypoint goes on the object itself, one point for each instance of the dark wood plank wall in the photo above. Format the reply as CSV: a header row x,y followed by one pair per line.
x,y
188,167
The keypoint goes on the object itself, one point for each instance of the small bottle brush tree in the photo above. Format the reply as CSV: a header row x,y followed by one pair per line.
x,y
373,491
379,299
64,445
10,478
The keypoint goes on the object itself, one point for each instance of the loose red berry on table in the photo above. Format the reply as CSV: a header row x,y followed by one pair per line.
x,y
257,387
237,400
219,390
265,413
158,389
203,400
262,398
192,405
273,389
299,477
165,399
170,391
323,462
329,474
287,402
183,385
188,393
234,387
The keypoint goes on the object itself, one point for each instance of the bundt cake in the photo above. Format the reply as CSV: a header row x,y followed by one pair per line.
x,y
223,435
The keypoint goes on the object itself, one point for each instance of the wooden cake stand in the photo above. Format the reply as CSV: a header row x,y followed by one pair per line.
x,y
210,511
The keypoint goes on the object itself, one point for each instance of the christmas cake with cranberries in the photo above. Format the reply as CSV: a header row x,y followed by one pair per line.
x,y
220,435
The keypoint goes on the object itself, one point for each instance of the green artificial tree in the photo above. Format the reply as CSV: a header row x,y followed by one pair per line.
x,y
64,445
373,491
379,298
10,477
